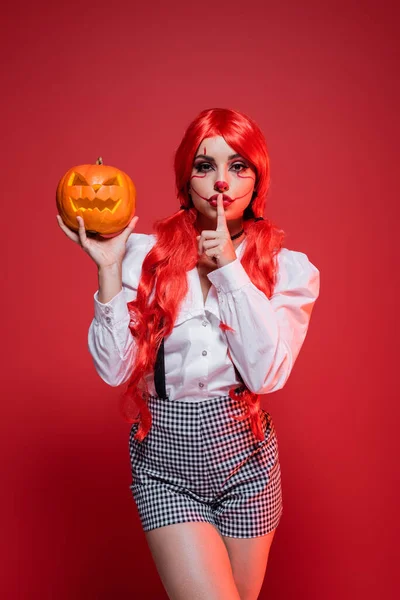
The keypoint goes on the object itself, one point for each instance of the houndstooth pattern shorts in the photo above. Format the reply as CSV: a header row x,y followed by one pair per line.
x,y
197,463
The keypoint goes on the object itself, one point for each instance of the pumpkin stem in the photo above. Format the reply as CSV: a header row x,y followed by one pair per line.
x,y
99,161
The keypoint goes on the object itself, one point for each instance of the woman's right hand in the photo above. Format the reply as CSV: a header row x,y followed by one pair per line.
x,y
104,251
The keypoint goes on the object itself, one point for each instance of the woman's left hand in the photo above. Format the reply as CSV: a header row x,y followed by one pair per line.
x,y
218,244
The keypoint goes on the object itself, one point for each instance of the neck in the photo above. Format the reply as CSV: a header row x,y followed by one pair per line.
x,y
238,240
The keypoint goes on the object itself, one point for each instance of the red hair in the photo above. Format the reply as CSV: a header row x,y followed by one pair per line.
x,y
175,252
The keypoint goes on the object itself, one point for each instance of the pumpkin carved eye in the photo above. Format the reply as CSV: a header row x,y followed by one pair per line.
x,y
78,180
112,181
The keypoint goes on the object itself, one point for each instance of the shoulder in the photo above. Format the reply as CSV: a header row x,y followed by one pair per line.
x,y
140,241
137,247
295,270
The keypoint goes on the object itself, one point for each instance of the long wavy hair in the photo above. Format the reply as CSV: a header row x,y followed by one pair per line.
x,y
163,282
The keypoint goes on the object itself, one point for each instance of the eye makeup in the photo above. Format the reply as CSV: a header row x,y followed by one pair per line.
x,y
199,167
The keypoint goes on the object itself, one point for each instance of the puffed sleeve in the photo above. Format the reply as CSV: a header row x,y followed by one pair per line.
x,y
267,333
110,340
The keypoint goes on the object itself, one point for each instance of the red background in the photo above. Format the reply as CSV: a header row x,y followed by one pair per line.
x,y
123,81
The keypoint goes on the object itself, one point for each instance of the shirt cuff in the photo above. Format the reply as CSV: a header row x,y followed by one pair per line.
x,y
230,277
112,312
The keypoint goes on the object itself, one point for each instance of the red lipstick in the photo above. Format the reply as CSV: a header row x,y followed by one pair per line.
x,y
225,198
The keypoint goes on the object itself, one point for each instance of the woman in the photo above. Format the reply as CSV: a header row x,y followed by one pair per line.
x,y
200,318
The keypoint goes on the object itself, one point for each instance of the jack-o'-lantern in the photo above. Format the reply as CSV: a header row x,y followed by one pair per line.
x,y
104,196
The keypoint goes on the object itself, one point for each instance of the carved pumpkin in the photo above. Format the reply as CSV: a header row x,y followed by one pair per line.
x,y
104,196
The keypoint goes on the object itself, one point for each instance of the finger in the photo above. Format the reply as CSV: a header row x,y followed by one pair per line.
x,y
213,251
209,234
68,232
82,231
213,254
207,244
199,244
132,222
131,226
221,217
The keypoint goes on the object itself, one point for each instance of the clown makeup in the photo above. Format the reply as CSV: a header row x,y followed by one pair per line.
x,y
218,168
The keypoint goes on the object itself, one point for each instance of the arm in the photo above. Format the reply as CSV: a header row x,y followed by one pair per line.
x,y
110,282
268,333
110,340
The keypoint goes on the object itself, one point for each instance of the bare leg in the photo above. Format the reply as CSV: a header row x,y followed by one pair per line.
x,y
192,561
249,557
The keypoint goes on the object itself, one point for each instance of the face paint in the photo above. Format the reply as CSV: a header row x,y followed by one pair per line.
x,y
197,177
221,186
222,171
246,176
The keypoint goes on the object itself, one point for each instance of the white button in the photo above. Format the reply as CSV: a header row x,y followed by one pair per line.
x,y
201,384
107,309
204,353
204,323
108,319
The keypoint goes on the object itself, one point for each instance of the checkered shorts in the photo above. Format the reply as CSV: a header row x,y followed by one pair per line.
x,y
197,463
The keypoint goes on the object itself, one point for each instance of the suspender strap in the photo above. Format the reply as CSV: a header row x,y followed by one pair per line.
x,y
159,372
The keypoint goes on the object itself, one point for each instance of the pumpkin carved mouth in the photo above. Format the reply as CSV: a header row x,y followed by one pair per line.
x,y
95,204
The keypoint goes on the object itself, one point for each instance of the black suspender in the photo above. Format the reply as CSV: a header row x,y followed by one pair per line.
x,y
159,373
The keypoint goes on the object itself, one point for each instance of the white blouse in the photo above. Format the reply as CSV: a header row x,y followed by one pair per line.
x,y
199,356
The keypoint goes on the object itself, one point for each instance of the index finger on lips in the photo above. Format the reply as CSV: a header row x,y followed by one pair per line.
x,y
221,217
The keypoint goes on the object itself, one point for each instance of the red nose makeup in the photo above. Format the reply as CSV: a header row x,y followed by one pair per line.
x,y
221,186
